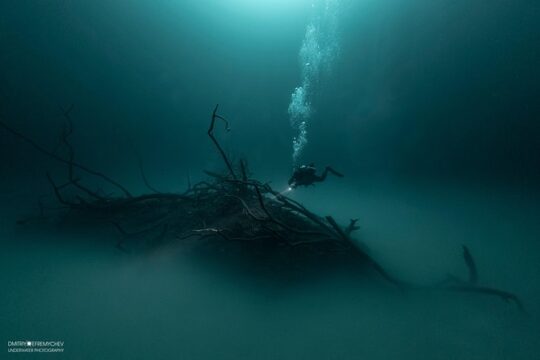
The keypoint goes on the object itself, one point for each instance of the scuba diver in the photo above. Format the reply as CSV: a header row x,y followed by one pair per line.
x,y
305,175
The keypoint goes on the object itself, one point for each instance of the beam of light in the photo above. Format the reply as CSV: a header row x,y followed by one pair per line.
x,y
287,190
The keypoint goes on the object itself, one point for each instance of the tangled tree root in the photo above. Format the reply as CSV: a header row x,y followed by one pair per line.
x,y
229,207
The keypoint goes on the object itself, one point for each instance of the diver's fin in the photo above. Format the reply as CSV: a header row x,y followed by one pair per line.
x,y
329,169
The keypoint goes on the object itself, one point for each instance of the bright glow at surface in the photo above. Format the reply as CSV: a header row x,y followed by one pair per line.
x,y
271,3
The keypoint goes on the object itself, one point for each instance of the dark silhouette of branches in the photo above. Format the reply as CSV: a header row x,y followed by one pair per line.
x,y
53,156
229,208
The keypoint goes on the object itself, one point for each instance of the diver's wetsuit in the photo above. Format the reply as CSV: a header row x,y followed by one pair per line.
x,y
305,175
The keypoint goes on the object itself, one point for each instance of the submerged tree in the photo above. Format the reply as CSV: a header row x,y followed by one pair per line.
x,y
229,207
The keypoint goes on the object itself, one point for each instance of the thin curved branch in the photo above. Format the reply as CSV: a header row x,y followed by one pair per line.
x,y
215,116
143,174
58,194
471,265
64,161
504,295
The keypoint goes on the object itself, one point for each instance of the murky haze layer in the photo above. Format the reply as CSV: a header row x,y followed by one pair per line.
x,y
67,284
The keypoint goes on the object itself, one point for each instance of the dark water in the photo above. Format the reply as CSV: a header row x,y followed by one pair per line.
x,y
429,108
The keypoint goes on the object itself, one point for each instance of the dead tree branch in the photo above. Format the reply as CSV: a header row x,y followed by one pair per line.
x,y
61,160
229,208
215,117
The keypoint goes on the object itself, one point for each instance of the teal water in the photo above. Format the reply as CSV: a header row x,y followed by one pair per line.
x,y
429,108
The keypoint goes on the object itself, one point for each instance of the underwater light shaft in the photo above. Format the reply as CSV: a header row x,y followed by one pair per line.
x,y
273,3
270,5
